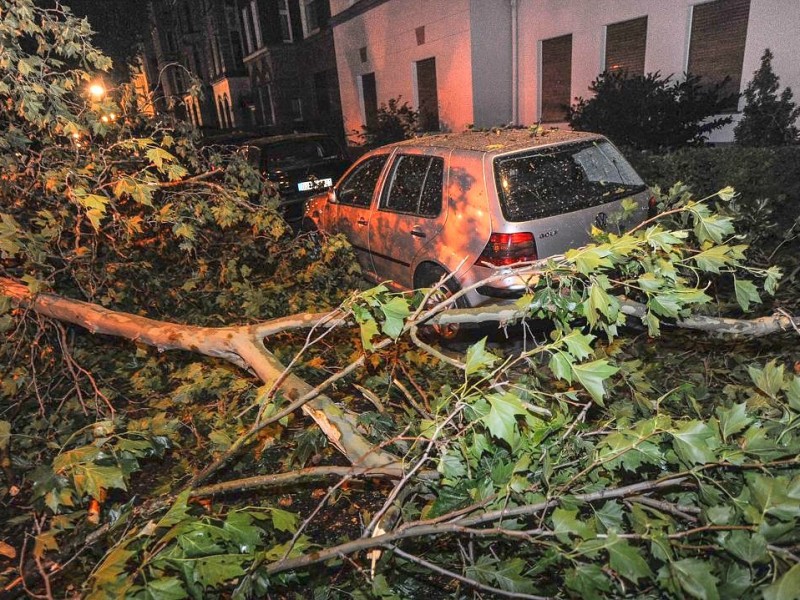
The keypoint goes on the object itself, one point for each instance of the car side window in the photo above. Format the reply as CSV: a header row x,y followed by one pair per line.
x,y
415,186
358,187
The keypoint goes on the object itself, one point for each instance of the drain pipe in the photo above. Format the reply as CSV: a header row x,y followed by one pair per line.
x,y
514,64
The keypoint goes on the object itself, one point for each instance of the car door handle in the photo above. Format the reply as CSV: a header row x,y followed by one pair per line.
x,y
417,233
361,221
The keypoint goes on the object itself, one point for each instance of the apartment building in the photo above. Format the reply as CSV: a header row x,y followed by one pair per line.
x,y
494,62
265,65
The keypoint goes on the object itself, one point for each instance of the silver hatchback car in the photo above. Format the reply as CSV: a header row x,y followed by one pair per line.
x,y
468,204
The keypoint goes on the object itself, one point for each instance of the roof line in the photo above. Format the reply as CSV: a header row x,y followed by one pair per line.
x,y
351,12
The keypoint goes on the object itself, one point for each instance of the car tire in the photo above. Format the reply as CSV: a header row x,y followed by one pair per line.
x,y
430,278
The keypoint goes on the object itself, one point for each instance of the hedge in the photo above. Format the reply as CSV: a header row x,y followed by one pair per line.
x,y
755,173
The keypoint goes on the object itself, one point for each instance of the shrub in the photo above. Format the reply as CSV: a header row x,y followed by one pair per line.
x,y
395,121
650,111
767,119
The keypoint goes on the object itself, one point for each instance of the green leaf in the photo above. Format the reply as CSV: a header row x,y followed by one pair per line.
x,y
509,577
589,582
566,522
787,587
733,420
695,578
746,293
693,442
501,420
283,520
627,560
773,276
479,358
165,588
239,526
579,344
395,311
5,434
713,259
211,571
592,375
93,479
369,329
726,194
177,512
769,379
749,547
589,258
712,228
561,366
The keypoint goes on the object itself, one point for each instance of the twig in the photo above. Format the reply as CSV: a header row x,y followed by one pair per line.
x,y
470,582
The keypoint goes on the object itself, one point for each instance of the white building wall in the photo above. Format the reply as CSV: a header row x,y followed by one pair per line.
x,y
772,23
388,32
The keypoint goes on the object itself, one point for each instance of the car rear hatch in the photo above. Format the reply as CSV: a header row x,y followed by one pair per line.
x,y
550,199
300,169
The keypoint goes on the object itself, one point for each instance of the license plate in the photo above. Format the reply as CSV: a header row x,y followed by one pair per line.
x,y
317,184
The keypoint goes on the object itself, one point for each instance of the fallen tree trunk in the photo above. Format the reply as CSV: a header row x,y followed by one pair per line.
x,y
241,345
509,313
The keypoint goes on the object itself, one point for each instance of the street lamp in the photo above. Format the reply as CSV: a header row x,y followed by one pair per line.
x,y
97,90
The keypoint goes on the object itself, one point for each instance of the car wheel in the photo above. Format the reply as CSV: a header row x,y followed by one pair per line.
x,y
431,278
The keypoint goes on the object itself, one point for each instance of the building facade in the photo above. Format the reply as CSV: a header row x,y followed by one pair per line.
x,y
291,65
496,62
265,65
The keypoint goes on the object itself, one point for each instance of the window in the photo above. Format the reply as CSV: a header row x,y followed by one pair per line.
x,y
625,46
369,99
321,93
297,109
314,14
416,186
259,41
286,20
248,29
427,96
716,46
556,77
420,34
358,188
535,185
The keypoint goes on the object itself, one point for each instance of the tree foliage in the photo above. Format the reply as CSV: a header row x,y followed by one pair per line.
x,y
581,462
651,112
767,118
395,121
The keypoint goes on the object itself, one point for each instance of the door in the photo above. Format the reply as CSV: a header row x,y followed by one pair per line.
x,y
427,95
409,215
350,213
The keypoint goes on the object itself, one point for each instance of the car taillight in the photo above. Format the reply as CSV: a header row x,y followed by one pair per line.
x,y
509,248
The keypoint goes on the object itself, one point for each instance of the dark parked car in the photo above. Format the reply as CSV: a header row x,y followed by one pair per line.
x,y
300,164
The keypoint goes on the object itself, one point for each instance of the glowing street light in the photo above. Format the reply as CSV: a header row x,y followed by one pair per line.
x,y
97,91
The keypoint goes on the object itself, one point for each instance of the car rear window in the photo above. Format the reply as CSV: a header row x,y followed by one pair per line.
x,y
562,179
295,152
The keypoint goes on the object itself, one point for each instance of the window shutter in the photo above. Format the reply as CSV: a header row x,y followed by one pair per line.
x,y
556,78
625,46
716,48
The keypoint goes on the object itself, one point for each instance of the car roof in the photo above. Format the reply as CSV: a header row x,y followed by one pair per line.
x,y
499,141
271,140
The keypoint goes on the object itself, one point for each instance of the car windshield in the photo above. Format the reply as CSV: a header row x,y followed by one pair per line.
x,y
562,179
294,153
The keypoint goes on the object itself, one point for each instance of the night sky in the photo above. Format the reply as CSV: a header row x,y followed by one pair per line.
x,y
120,25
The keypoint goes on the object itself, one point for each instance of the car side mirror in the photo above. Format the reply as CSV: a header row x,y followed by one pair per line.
x,y
332,195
